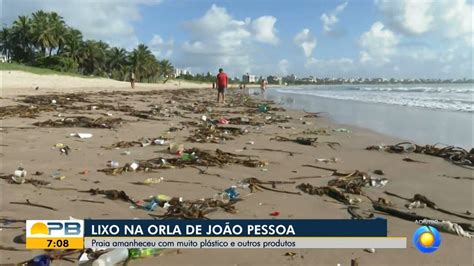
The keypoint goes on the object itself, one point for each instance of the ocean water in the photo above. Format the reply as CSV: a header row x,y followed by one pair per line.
x,y
423,113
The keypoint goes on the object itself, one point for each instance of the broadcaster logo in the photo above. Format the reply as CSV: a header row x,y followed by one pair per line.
x,y
426,239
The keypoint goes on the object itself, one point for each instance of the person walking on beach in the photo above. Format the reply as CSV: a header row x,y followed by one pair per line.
x,y
222,81
132,79
263,86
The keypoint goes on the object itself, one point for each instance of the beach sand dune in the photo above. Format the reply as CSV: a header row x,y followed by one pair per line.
x,y
34,148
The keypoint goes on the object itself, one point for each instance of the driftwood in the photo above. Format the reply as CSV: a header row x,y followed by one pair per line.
x,y
28,203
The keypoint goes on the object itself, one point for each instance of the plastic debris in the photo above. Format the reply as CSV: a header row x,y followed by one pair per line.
x,y
18,180
59,145
223,121
81,135
176,148
275,214
152,180
134,166
159,142
378,182
20,172
343,130
112,164
416,204
251,142
112,257
330,160
370,250
125,153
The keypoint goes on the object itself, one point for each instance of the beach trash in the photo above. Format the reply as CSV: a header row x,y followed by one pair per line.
x,y
112,257
262,108
232,193
275,214
125,153
378,182
416,204
152,180
113,164
53,101
176,148
135,253
251,142
81,135
344,130
134,166
20,172
185,157
370,250
159,142
40,260
204,118
151,205
18,180
223,121
162,198
59,145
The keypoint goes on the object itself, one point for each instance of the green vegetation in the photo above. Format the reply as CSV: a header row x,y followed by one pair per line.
x,y
44,40
36,70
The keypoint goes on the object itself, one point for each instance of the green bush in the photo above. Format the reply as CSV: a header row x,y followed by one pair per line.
x,y
58,63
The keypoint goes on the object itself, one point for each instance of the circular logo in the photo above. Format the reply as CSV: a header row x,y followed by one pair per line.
x,y
426,239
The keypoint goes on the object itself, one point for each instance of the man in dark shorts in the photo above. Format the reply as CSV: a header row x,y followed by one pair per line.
x,y
222,81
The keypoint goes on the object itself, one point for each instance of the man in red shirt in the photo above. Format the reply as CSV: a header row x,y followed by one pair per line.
x,y
222,81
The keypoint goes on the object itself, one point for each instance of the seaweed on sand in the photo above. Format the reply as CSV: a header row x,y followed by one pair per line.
x,y
82,121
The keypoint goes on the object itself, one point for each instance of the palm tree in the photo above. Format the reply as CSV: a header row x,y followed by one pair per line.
x,y
140,59
58,28
6,42
21,36
43,32
72,45
167,69
91,56
116,62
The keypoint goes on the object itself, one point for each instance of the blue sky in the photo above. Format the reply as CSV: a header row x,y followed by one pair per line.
x,y
334,38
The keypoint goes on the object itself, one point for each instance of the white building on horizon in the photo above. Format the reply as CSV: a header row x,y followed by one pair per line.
x,y
247,78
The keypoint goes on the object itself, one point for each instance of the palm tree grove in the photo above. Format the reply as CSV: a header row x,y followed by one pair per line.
x,y
45,40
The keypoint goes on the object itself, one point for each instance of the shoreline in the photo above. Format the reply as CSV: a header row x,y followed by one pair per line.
x,y
408,123
35,150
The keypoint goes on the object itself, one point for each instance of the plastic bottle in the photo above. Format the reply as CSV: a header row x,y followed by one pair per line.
x,y
112,257
113,164
41,260
185,157
136,253
232,193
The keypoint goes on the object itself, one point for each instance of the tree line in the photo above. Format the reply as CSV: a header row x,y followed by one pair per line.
x,y
45,40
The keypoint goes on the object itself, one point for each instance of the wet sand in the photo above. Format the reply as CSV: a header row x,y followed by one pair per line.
x,y
34,149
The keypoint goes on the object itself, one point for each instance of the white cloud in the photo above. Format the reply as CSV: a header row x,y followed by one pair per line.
x,y
330,20
161,48
107,20
378,44
306,41
446,18
219,40
264,29
283,67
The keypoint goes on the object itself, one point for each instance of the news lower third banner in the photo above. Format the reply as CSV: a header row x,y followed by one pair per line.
x,y
215,234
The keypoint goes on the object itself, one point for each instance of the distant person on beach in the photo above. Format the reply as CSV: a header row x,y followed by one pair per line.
x,y
132,79
222,81
263,86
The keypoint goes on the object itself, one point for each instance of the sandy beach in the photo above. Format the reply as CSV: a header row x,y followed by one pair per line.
x,y
174,111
